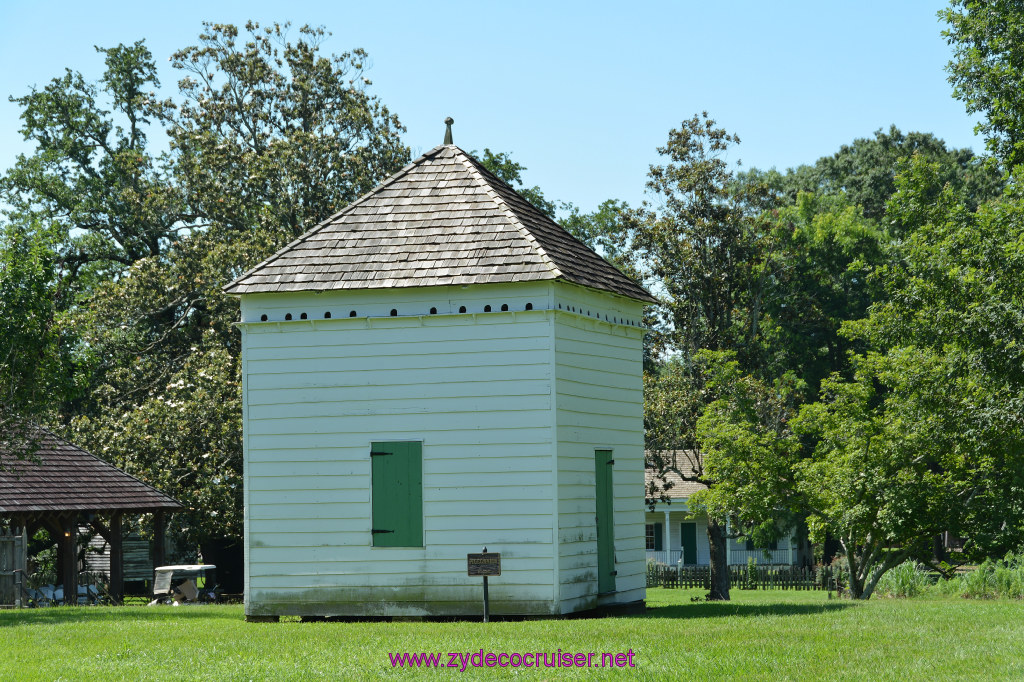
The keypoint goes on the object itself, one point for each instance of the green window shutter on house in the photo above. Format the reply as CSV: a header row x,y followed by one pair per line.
x,y
396,480
659,536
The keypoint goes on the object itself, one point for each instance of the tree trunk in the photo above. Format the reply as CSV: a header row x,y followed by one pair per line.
x,y
719,562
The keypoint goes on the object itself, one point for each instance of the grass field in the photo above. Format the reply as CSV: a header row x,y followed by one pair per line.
x,y
771,635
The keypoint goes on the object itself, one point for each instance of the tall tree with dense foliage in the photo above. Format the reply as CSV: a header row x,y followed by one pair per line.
x,y
927,437
34,345
749,449
92,174
704,251
864,171
987,70
268,137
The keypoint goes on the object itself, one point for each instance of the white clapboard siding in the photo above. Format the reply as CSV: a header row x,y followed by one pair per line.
x,y
476,390
509,408
599,404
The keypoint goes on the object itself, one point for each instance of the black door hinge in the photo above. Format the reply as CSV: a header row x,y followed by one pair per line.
x,y
380,454
375,531
610,462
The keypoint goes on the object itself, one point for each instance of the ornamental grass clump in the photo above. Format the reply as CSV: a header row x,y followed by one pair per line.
x,y
906,580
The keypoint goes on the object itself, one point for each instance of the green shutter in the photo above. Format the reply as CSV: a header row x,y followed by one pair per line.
x,y
659,536
396,479
688,539
605,521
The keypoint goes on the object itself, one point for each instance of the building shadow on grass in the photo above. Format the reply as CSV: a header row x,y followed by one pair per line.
x,y
87,614
727,608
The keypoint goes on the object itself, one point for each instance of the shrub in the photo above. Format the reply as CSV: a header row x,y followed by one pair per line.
x,y
999,578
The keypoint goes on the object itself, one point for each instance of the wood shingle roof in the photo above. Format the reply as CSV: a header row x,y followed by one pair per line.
x,y
441,220
63,477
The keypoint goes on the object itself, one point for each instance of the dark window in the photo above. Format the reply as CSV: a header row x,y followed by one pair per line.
x,y
655,536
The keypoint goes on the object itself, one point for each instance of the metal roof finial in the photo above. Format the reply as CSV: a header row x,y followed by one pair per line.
x,y
448,131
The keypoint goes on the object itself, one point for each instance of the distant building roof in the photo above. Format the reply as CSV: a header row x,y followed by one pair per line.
x,y
679,489
441,220
64,477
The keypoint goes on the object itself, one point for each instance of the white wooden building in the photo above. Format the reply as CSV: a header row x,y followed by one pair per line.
x,y
437,368
674,533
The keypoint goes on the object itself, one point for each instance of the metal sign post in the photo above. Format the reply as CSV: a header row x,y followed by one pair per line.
x,y
485,564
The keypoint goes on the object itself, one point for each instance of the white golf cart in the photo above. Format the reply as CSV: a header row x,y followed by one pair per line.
x,y
188,583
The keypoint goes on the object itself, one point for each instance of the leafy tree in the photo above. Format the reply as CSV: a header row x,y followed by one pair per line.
x,y
823,255
92,175
927,436
270,137
748,449
34,348
705,251
864,171
986,70
510,172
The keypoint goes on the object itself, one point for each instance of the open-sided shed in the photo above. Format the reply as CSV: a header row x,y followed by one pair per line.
x,y
439,367
61,487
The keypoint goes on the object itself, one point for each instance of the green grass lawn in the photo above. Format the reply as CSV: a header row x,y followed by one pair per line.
x,y
771,635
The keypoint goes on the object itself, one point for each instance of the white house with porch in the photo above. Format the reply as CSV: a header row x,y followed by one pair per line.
x,y
674,533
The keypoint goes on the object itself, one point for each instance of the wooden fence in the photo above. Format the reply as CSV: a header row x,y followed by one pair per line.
x,y
12,561
746,578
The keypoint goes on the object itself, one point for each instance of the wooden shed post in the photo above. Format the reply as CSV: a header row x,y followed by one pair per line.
x,y
116,559
69,554
159,538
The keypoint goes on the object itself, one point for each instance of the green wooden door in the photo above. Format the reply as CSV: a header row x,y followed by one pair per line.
x,y
605,521
688,538
396,479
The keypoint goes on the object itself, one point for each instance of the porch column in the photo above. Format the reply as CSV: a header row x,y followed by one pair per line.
x,y
159,521
116,559
67,543
789,541
668,539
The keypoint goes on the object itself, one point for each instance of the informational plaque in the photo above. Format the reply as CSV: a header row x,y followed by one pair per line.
x,y
484,564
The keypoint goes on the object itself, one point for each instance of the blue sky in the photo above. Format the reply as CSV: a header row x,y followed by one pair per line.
x,y
580,93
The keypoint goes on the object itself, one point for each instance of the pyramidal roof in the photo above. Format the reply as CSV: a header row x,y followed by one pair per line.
x,y
441,220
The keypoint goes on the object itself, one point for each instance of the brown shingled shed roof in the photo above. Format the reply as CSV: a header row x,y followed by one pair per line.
x,y
63,477
441,220
679,489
